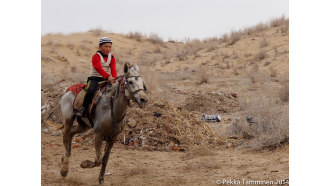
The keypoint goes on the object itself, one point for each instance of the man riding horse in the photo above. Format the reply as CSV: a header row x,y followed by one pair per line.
x,y
103,62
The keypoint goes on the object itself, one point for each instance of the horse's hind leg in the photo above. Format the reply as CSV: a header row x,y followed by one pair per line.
x,y
105,158
67,145
69,132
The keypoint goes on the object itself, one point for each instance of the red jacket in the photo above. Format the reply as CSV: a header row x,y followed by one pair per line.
x,y
96,62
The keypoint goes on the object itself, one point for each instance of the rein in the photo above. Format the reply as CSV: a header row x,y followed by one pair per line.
x,y
122,86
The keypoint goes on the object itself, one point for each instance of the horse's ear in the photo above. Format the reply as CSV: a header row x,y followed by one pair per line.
x,y
136,67
144,87
126,67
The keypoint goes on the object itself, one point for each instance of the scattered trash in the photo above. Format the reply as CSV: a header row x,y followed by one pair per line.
x,y
157,114
46,131
211,118
230,146
108,173
76,146
135,141
56,133
233,137
79,139
249,119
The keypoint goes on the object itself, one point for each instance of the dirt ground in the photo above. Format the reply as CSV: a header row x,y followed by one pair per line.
x,y
137,167
185,81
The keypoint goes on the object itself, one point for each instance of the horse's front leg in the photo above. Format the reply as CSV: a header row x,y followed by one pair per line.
x,y
98,145
105,158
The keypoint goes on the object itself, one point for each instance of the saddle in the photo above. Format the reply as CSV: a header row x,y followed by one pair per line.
x,y
80,91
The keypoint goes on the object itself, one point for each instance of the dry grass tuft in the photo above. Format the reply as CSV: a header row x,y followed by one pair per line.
x,y
137,171
266,124
198,151
210,163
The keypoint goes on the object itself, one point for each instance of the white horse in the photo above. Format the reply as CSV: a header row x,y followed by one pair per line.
x,y
109,118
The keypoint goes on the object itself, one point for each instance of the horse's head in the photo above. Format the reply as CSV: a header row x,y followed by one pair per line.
x,y
134,86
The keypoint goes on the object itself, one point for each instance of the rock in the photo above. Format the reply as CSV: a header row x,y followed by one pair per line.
x,y
234,95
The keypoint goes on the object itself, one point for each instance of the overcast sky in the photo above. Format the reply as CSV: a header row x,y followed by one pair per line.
x,y
175,19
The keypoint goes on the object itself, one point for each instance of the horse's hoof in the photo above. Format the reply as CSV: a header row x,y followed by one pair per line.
x,y
101,180
87,164
64,173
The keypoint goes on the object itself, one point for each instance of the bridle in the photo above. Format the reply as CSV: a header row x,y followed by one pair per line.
x,y
124,84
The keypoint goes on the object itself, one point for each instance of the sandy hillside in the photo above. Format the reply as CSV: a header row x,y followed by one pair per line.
x,y
242,76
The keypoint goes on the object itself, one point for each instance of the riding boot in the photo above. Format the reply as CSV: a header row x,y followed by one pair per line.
x,y
81,112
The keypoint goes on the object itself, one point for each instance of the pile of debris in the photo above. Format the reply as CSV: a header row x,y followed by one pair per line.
x,y
161,126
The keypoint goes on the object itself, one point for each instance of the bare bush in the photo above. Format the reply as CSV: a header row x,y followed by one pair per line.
x,y
284,29
266,124
260,27
275,22
211,43
254,29
256,75
193,46
236,54
260,55
135,35
234,37
157,50
155,39
97,31
263,43
181,54
203,76
284,90
225,38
